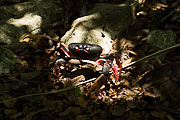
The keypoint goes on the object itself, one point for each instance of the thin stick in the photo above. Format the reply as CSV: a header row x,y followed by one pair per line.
x,y
152,55
51,92
71,87
38,94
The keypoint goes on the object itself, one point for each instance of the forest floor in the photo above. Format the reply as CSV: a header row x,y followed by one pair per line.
x,y
146,91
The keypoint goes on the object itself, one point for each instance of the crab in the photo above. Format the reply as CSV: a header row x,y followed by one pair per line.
x,y
83,52
89,53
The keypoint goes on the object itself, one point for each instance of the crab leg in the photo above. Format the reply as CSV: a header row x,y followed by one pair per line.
x,y
116,73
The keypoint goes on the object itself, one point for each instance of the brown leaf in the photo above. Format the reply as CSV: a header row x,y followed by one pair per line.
x,y
118,110
81,117
10,103
4,88
29,75
74,81
169,117
9,112
158,114
126,62
70,110
16,115
82,102
149,94
132,52
24,38
98,83
38,64
131,104
132,116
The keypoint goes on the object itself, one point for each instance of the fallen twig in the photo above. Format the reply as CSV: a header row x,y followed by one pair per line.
x,y
87,81
51,92
148,57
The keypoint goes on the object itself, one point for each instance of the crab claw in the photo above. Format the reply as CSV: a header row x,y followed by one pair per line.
x,y
57,68
57,71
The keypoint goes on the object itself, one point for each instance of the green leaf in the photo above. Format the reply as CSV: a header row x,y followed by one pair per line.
x,y
77,92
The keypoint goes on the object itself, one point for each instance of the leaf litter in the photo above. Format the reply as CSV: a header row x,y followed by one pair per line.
x,y
148,90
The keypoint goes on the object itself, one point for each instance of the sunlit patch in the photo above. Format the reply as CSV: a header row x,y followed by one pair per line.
x,y
24,38
21,7
30,20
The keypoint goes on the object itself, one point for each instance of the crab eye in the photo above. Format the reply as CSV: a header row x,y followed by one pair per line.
x,y
87,48
76,47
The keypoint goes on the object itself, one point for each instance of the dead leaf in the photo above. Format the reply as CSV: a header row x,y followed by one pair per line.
x,y
29,75
59,105
128,92
30,115
24,38
169,117
4,88
132,116
118,110
10,103
131,104
132,52
126,62
16,115
82,102
149,94
81,117
70,110
9,112
38,64
158,114
98,83
74,81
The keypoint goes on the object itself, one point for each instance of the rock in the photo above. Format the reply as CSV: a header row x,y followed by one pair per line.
x,y
7,60
162,38
10,34
22,17
102,24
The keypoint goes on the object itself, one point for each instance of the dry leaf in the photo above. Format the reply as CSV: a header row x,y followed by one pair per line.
x,y
126,62
10,103
82,102
24,38
29,75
